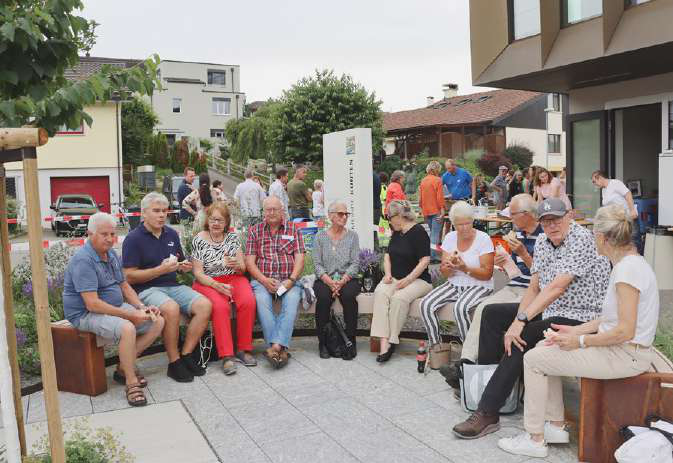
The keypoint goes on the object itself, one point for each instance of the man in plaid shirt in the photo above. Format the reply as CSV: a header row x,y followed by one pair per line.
x,y
275,259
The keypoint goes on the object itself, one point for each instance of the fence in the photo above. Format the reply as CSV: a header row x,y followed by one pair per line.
x,y
232,169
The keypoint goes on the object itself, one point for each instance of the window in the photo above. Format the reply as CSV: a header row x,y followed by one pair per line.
x,y
553,143
10,186
555,102
64,130
481,99
177,105
170,139
630,3
575,11
217,133
526,18
217,77
221,106
670,125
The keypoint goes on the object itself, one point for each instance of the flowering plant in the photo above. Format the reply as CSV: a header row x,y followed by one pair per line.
x,y
368,259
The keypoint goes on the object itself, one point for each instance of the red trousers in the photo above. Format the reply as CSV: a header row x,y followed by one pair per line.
x,y
246,308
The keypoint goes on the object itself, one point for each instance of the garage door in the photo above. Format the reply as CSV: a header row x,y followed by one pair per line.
x,y
98,187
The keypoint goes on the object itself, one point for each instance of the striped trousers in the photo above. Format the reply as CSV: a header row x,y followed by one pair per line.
x,y
465,297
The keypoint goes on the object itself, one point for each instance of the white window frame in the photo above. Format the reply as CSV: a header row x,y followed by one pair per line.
x,y
179,105
216,102
549,144
218,71
216,131
64,130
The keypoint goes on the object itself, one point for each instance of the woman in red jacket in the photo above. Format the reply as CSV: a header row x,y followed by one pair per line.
x,y
395,189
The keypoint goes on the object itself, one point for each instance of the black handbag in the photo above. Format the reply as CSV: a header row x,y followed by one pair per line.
x,y
335,338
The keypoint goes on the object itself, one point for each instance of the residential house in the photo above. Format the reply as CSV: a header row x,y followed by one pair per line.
x,y
488,121
612,58
82,160
197,99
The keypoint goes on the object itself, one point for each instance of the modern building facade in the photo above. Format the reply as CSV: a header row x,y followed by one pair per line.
x,y
197,99
612,58
487,121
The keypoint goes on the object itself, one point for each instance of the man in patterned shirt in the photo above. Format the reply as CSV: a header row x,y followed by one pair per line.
x,y
568,285
275,259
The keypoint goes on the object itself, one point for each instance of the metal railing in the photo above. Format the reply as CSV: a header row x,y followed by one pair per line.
x,y
232,169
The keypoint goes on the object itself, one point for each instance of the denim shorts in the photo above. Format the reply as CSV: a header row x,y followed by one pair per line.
x,y
109,326
184,296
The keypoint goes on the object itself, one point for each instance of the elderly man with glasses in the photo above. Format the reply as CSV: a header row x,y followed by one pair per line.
x,y
568,285
275,259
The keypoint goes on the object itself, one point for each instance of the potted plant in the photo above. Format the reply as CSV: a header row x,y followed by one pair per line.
x,y
132,201
369,263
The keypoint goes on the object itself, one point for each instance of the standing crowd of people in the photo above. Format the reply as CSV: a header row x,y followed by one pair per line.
x,y
578,303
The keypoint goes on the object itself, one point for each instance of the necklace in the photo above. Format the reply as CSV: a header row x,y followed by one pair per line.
x,y
216,242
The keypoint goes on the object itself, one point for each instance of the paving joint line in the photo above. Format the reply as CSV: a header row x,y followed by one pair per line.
x,y
198,426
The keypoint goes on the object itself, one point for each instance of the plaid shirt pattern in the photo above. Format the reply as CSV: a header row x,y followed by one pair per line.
x,y
275,251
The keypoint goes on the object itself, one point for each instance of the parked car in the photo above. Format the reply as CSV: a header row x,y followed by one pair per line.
x,y
170,188
73,204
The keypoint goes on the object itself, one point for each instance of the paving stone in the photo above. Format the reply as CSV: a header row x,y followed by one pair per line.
x,y
115,399
395,401
164,389
272,422
308,396
314,447
70,405
247,454
346,412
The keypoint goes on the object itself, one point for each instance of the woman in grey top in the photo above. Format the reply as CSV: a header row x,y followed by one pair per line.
x,y
335,257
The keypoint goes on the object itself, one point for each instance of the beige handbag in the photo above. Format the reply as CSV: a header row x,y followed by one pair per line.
x,y
443,353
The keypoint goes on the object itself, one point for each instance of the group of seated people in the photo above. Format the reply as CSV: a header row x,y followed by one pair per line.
x,y
579,303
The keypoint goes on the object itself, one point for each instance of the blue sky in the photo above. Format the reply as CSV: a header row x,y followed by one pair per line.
x,y
403,50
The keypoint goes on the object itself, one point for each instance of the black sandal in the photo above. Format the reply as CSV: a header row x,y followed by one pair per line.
x,y
135,395
119,378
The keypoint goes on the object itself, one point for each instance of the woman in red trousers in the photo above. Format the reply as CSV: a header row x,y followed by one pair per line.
x,y
218,267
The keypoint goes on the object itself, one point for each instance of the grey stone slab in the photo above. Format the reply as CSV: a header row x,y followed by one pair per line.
x,y
396,401
314,447
164,389
446,400
115,399
346,412
70,405
247,454
272,422
308,396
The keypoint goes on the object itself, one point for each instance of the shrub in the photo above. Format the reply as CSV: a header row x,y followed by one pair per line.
x,y
519,155
390,163
490,162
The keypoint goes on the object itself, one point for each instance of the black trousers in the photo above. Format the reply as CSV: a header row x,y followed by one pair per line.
x,y
377,219
495,320
347,296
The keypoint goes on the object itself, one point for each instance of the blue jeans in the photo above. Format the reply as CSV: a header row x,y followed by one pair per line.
x,y
434,222
277,328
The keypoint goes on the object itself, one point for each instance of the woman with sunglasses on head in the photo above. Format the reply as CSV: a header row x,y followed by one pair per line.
x,y
406,277
219,269
548,186
335,258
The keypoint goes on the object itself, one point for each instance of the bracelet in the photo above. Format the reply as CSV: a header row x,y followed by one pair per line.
x,y
581,340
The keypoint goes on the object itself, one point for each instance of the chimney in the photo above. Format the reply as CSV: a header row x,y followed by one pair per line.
x,y
429,101
450,90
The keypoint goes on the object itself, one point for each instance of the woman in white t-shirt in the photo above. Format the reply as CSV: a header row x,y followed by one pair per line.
x,y
318,198
616,345
615,192
467,262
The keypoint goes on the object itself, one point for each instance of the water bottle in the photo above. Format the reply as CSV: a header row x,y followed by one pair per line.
x,y
421,355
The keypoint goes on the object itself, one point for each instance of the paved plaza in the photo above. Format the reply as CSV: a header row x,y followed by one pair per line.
x,y
313,410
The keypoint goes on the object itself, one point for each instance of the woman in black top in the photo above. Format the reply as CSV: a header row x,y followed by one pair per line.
x,y
516,185
406,277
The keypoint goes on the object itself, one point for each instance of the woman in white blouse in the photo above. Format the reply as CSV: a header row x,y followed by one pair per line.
x,y
467,262
616,345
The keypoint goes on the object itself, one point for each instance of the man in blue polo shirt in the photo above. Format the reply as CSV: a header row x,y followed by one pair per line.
x,y
458,182
94,292
152,256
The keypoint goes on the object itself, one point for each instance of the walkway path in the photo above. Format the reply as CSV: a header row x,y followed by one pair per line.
x,y
316,410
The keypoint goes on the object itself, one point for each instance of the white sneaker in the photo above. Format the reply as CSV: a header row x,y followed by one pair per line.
x,y
555,435
523,445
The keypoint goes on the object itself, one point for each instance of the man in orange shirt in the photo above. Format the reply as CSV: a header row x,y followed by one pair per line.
x,y
431,202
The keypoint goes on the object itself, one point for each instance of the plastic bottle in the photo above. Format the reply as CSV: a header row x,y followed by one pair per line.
x,y
421,355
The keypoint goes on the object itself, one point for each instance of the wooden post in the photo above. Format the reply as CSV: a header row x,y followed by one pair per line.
x,y
6,266
46,346
20,137
439,142
462,131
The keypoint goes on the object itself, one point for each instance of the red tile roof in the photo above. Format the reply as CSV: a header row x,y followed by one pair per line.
x,y
481,108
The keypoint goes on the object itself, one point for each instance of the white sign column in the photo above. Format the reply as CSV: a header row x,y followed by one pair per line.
x,y
347,163
6,394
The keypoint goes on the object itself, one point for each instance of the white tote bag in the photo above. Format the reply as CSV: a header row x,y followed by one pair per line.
x,y
647,446
473,381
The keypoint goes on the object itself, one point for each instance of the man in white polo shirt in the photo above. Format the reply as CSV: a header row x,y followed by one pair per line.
x,y
250,196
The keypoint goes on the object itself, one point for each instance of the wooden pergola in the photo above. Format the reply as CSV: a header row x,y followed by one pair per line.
x,y
19,144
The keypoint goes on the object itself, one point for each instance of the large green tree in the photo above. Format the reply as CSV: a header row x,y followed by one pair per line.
x,y
251,137
138,121
39,40
320,104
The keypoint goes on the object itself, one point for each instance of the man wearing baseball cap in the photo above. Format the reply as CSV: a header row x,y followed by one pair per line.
x,y
568,284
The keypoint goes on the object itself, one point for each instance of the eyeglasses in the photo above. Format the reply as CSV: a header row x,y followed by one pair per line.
x,y
516,213
548,222
216,221
342,214
272,210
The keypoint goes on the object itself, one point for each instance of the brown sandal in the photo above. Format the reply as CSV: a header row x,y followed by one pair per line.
x,y
135,395
120,378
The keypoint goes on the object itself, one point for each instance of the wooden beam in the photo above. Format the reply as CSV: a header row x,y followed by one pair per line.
x,y
10,323
439,141
22,138
42,318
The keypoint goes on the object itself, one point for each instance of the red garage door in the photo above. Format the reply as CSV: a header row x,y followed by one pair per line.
x,y
98,187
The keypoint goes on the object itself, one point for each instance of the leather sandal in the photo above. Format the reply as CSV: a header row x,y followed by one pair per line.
x,y
135,395
119,378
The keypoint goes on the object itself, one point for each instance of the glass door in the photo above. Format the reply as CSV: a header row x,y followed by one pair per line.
x,y
587,154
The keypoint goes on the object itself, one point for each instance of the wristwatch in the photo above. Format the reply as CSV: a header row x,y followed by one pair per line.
x,y
293,280
522,317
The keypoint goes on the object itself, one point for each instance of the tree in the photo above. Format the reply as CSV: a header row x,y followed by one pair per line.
x,y
520,155
320,104
489,163
251,137
39,40
138,121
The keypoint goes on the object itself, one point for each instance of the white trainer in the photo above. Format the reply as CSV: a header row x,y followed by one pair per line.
x,y
555,435
523,445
